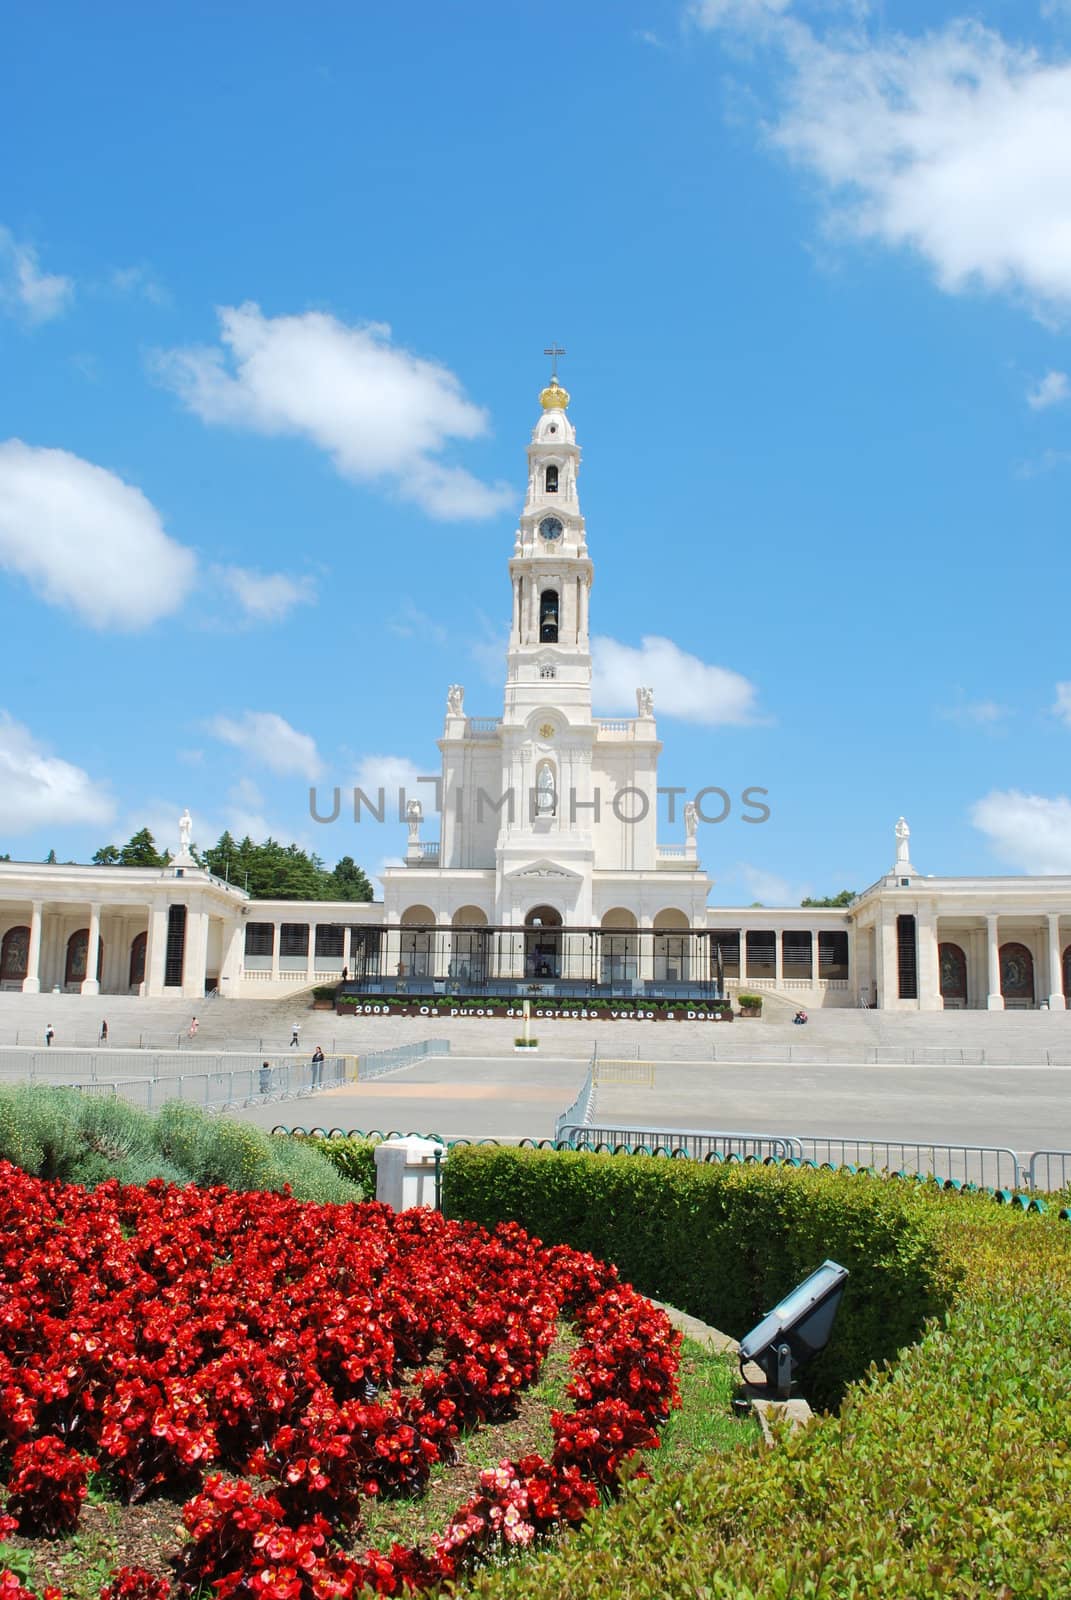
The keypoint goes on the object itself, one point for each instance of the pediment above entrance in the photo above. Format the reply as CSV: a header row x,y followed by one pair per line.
x,y
543,869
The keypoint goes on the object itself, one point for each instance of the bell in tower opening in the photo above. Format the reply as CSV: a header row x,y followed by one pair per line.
x,y
548,617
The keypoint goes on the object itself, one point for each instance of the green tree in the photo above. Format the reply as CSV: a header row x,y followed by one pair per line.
x,y
349,881
141,851
50,859
845,898
106,856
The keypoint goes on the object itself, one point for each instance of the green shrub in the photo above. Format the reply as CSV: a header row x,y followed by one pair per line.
x,y
313,1176
726,1242
753,1002
62,1133
355,1159
948,1475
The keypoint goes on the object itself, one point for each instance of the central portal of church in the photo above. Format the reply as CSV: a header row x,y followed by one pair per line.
x,y
543,943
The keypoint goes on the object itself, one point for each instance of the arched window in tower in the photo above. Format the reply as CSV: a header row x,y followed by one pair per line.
x,y
548,617
552,480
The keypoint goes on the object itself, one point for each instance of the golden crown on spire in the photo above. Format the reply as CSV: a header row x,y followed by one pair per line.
x,y
554,397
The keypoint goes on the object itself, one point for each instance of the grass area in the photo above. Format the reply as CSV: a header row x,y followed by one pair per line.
x,y
706,1421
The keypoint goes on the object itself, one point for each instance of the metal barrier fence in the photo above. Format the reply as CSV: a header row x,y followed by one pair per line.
x,y
580,1113
624,1069
984,1165
771,1055
377,1063
230,1087
698,1143
67,1066
1049,1170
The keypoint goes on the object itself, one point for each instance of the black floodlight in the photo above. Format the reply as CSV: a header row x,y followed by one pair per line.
x,y
797,1328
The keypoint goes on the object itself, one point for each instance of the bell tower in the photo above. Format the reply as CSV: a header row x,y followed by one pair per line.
x,y
549,658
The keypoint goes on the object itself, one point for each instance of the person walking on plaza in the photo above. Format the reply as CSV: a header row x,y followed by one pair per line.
x,y
103,1032
317,1067
50,1034
191,1031
295,1029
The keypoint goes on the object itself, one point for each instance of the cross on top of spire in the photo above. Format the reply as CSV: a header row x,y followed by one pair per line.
x,y
554,351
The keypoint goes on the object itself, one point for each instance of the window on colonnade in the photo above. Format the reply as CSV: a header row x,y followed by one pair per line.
x,y
15,955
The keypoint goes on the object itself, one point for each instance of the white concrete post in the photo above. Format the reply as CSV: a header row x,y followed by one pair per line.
x,y
347,948
310,955
89,982
31,984
1057,1001
995,1000
405,1172
276,939
779,959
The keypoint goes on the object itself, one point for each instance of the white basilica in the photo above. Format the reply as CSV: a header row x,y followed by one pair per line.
x,y
548,877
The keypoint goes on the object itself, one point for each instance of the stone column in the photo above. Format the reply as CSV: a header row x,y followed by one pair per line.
x,y
814,959
310,956
779,957
585,602
995,1000
1057,1001
347,948
195,954
31,984
887,973
89,982
276,940
156,951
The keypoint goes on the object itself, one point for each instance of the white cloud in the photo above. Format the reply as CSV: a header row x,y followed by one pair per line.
x,y
1062,708
139,281
392,774
409,622
955,144
265,596
84,539
270,740
381,413
1048,391
38,789
684,686
1029,831
975,713
769,888
35,295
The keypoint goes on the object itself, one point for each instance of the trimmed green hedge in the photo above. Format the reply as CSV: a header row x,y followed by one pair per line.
x,y
725,1243
62,1133
355,1159
946,1474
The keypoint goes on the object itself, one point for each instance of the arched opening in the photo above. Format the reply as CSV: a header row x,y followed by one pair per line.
x,y
15,955
469,946
74,970
1016,976
543,943
546,790
552,480
618,947
416,942
952,962
548,617
137,960
672,943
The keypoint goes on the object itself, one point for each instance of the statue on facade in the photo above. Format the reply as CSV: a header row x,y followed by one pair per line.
x,y
185,833
903,836
414,816
645,702
546,799
691,820
455,700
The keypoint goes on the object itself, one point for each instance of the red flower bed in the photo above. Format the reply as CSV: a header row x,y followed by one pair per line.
x,y
185,1340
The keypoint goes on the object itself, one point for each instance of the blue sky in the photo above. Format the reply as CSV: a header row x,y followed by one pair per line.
x,y
274,288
